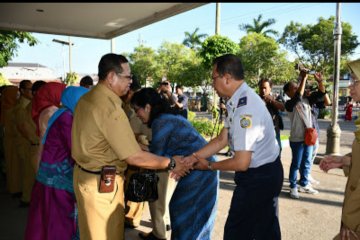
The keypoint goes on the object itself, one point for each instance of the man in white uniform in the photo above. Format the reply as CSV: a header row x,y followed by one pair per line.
x,y
250,133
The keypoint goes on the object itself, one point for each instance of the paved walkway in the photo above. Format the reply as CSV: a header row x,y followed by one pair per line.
x,y
310,217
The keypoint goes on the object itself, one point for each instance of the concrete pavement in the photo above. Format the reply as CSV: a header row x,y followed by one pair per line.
x,y
310,217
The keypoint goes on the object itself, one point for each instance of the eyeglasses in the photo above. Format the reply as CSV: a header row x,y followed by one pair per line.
x,y
128,77
215,77
354,82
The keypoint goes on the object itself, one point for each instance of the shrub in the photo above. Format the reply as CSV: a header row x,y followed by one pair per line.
x,y
206,127
324,113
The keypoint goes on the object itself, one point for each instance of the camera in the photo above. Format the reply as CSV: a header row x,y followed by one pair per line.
x,y
300,67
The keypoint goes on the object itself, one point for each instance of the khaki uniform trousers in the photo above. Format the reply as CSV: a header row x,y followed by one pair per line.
x,y
100,215
28,172
133,210
159,209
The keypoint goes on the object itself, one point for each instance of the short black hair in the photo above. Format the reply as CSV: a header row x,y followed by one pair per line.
x,y
265,80
231,64
23,83
286,87
110,62
37,85
86,81
179,86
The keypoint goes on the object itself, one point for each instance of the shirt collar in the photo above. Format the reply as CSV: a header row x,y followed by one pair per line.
x,y
107,92
233,101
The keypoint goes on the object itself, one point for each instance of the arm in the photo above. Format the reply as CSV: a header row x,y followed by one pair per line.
x,y
240,162
275,103
330,162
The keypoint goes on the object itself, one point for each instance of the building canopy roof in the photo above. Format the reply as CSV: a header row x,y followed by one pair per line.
x,y
93,20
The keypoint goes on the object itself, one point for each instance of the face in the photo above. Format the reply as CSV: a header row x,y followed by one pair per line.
x,y
120,82
264,89
355,88
143,113
292,90
218,82
26,92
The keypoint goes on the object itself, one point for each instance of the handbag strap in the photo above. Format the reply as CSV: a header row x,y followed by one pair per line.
x,y
302,115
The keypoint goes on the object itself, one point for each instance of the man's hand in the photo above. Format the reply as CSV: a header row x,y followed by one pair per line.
x,y
180,170
190,160
202,164
330,162
347,234
318,77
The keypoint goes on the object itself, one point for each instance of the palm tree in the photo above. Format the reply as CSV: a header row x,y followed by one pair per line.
x,y
192,40
259,26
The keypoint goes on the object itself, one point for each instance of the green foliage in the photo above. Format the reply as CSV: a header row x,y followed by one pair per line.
x,y
206,127
261,57
314,44
324,113
259,26
71,78
4,80
214,47
191,115
143,65
9,44
193,40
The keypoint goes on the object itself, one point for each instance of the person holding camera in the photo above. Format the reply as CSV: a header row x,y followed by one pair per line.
x,y
273,105
166,92
299,110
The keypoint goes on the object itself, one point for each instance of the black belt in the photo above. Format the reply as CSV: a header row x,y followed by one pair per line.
x,y
95,172
88,171
34,144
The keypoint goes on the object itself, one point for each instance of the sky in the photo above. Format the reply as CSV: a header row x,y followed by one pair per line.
x,y
87,52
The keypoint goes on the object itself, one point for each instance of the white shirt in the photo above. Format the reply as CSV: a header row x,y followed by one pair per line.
x,y
250,126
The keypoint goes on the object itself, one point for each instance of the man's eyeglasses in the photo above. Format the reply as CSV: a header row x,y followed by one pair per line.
x,y
128,77
215,77
354,82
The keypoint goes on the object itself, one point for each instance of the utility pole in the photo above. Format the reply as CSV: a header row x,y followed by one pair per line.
x,y
217,32
217,27
334,131
69,43
112,45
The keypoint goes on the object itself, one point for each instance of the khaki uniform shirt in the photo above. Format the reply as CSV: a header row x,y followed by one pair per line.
x,y
351,206
101,133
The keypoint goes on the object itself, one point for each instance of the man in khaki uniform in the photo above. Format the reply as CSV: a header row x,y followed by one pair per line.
x,y
23,146
101,135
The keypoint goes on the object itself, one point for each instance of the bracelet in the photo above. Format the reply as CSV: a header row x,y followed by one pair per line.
x,y
196,156
210,166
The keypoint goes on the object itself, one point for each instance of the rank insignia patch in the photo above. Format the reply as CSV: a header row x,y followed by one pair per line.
x,y
242,102
245,121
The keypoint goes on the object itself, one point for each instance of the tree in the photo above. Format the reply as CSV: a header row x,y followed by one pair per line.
x,y
193,40
216,46
143,64
4,80
314,44
9,44
259,26
171,59
261,57
71,78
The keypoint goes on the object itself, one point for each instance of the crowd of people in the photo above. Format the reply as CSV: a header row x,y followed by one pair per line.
x,y
76,147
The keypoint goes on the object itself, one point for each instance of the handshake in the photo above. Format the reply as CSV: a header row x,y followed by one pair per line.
x,y
185,164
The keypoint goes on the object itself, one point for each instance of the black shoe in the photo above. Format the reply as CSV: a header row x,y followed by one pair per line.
x,y
149,236
24,204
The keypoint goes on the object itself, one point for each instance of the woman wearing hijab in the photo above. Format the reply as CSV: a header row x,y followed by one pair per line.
x,y
193,203
44,104
52,212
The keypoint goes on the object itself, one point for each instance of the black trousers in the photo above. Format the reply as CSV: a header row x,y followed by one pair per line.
x,y
253,211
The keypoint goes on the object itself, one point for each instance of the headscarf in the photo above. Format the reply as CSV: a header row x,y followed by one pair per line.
x,y
47,95
69,98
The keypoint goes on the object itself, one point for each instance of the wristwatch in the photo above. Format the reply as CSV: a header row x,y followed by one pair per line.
x,y
210,166
172,164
